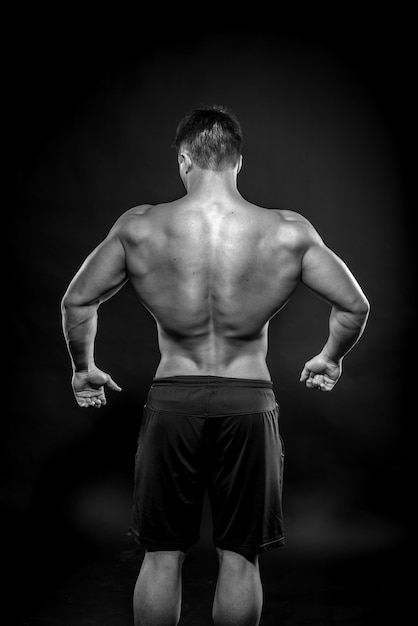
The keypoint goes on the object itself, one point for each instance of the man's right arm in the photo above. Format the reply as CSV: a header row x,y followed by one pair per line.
x,y
327,276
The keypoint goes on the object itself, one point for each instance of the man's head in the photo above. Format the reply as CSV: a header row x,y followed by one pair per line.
x,y
212,137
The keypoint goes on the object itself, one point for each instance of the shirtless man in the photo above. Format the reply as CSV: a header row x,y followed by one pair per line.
x,y
212,269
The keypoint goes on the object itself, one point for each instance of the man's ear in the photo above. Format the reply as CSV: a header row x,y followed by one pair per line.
x,y
185,161
240,163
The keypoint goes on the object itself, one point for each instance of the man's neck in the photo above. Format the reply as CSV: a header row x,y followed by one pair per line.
x,y
209,183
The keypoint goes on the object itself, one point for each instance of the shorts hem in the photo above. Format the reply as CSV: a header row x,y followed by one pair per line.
x,y
153,546
246,550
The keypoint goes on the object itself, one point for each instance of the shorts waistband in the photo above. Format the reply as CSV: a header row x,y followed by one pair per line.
x,y
211,395
218,381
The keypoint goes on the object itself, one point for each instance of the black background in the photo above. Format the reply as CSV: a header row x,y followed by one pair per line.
x,y
92,105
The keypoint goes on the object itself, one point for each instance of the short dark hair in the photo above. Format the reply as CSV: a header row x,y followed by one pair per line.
x,y
213,137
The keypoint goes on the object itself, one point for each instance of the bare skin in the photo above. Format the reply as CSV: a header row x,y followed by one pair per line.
x,y
213,269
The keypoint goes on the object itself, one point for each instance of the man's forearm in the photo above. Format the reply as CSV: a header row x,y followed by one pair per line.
x,y
345,329
79,327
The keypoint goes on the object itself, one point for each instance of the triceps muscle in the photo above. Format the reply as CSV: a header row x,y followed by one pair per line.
x,y
324,273
101,275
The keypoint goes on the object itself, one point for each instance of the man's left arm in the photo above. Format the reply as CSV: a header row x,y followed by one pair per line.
x,y
102,274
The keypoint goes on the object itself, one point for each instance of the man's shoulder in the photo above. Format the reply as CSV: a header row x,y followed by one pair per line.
x,y
291,216
142,220
131,222
296,227
142,212
135,212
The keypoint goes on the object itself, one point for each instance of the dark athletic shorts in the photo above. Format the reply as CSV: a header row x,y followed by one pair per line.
x,y
219,434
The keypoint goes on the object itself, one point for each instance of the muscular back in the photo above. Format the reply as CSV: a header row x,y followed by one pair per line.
x,y
212,275
212,272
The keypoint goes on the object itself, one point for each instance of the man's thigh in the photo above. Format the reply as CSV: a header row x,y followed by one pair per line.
x,y
169,480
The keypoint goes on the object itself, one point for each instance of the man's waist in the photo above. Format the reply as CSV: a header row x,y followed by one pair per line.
x,y
211,396
215,381
241,366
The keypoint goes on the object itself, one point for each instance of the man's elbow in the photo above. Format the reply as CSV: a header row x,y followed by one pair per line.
x,y
360,311
64,299
73,302
68,302
353,316
65,304
363,308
